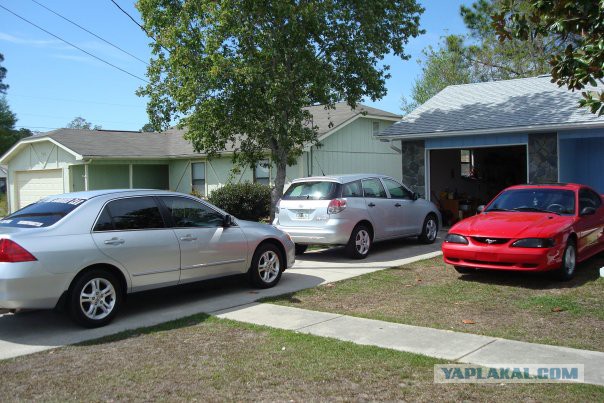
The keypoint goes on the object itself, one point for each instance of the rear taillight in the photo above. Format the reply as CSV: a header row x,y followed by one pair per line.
x,y
12,252
336,205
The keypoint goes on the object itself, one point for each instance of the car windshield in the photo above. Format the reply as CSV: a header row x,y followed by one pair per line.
x,y
312,191
555,201
41,214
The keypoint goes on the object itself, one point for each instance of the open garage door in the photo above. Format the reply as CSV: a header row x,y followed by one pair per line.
x,y
32,186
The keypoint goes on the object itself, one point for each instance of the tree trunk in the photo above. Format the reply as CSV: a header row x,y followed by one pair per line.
x,y
278,189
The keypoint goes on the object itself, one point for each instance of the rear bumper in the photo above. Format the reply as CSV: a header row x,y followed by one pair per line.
x,y
327,235
27,286
503,257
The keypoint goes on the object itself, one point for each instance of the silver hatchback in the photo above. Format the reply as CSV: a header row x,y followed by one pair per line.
x,y
87,250
354,210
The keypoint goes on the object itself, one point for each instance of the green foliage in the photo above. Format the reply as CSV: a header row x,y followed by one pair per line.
x,y
3,87
247,201
240,72
147,128
82,124
8,134
579,25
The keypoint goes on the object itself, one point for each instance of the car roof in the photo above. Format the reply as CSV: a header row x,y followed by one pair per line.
x,y
553,185
89,194
344,178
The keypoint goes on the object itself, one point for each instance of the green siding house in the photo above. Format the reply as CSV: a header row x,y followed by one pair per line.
x,y
69,160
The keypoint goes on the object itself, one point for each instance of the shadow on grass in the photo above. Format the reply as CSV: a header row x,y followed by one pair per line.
x,y
587,272
127,334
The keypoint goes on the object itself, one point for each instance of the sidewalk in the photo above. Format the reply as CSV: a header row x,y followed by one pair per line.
x,y
444,344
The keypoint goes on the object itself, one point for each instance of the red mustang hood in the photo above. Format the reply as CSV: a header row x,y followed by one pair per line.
x,y
513,225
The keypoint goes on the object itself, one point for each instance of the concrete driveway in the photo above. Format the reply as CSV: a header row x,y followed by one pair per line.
x,y
29,332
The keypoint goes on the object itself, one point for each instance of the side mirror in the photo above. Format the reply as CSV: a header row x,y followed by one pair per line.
x,y
480,209
587,211
415,196
227,221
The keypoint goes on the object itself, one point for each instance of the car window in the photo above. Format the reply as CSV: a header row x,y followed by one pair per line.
x,y
314,190
396,190
589,198
104,223
352,189
44,213
133,213
535,199
186,213
373,188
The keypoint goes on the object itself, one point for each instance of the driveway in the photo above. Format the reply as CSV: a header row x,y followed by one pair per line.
x,y
29,332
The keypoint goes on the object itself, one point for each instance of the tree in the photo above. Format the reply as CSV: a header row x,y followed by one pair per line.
x,y
8,134
147,128
579,25
241,71
82,124
3,87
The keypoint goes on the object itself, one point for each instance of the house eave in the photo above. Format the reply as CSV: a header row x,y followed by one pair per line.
x,y
9,154
498,130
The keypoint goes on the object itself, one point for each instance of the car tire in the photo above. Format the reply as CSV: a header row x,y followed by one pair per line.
x,y
429,229
300,249
267,266
569,262
464,270
95,298
360,242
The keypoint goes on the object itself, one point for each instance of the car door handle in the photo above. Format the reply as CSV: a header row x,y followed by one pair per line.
x,y
188,238
397,205
371,204
114,241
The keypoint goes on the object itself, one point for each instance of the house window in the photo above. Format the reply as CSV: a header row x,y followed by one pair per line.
x,y
376,128
262,173
467,164
198,174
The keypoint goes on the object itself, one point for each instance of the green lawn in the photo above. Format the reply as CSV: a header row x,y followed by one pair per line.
x,y
520,306
208,359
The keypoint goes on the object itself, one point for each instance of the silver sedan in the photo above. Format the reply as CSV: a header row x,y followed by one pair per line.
x,y
87,250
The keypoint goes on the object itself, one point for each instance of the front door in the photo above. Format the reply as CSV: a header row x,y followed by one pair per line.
x,y
406,212
207,248
132,232
590,228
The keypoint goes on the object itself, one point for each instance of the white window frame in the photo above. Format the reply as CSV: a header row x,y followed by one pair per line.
x,y
260,164
205,181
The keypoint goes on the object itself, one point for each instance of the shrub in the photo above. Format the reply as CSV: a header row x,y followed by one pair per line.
x,y
247,201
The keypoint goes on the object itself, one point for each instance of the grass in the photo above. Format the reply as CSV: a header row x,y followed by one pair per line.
x,y
522,306
204,358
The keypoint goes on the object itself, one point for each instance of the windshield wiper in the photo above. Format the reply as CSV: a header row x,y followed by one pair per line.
x,y
535,209
497,209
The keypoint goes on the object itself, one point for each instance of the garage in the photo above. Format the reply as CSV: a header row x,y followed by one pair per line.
x,y
461,179
35,185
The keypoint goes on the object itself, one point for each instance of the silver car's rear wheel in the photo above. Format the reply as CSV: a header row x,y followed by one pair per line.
x,y
95,298
359,243
267,266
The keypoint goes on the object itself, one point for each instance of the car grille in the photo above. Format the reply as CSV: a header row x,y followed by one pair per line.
x,y
490,241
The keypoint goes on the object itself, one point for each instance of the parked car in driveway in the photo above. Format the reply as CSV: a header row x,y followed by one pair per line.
x,y
87,250
530,228
354,210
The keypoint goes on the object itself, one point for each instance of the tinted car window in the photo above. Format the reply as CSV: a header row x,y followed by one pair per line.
x,y
41,214
549,200
319,190
396,190
588,198
135,213
352,189
190,213
104,223
373,188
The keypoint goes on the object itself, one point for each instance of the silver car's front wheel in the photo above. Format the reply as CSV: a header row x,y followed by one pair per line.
x,y
429,230
267,266
95,298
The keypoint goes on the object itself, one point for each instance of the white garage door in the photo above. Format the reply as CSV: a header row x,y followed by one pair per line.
x,y
34,185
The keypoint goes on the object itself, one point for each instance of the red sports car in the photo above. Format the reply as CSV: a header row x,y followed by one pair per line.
x,y
530,228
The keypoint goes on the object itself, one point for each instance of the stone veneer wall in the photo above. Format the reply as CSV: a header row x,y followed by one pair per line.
x,y
543,157
414,165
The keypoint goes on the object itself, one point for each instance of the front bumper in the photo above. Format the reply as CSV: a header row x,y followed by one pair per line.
x,y
502,257
27,286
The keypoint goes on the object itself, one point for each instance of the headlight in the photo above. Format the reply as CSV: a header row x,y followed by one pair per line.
x,y
454,238
534,243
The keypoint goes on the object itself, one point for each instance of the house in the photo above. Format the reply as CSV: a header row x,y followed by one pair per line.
x,y
67,160
470,141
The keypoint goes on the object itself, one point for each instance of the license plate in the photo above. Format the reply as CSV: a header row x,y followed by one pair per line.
x,y
302,216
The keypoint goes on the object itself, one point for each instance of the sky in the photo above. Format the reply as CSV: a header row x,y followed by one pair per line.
x,y
52,82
